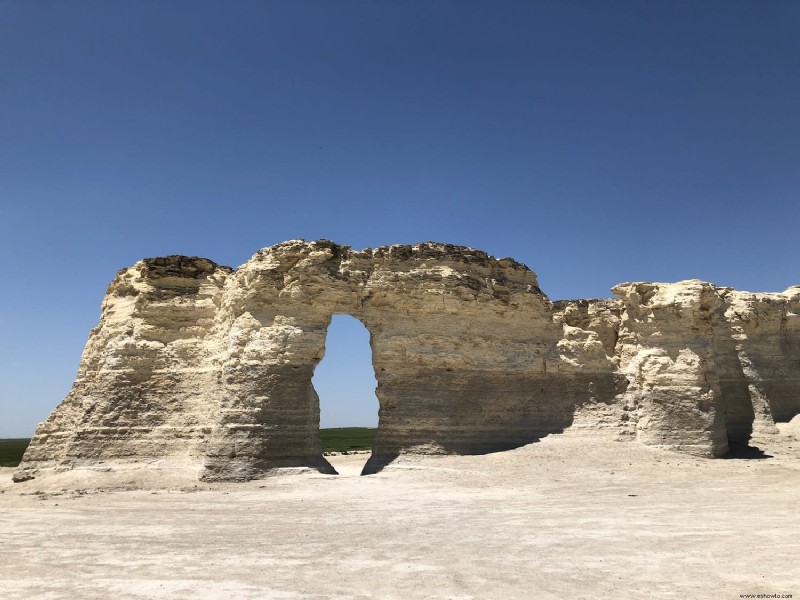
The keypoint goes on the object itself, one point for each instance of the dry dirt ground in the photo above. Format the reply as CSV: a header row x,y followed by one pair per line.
x,y
563,518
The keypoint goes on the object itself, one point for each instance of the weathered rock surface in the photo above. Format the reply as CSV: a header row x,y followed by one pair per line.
x,y
139,393
667,351
202,368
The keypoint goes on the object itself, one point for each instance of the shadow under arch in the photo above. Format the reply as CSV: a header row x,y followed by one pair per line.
x,y
496,419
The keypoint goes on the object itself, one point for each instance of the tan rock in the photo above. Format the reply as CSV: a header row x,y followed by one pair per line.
x,y
666,350
138,396
203,370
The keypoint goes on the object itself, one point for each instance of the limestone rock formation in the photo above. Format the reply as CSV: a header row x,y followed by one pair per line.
x,y
766,330
138,396
707,366
667,351
200,368
590,329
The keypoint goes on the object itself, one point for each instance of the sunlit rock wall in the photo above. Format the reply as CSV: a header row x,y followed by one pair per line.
x,y
590,329
199,368
465,352
666,351
140,393
766,332
270,336
461,345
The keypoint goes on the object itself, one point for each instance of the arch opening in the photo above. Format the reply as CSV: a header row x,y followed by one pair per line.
x,y
345,383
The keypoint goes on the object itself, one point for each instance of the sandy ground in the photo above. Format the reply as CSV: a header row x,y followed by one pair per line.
x,y
563,518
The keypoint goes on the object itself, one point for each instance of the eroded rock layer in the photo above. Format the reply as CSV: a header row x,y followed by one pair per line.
x,y
199,367
139,395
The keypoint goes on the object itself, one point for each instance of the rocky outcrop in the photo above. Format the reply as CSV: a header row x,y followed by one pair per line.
x,y
599,315
667,351
708,367
766,332
460,342
139,393
590,329
202,368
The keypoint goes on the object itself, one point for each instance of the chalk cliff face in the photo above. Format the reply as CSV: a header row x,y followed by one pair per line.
x,y
707,366
590,329
766,332
202,368
667,352
461,343
139,393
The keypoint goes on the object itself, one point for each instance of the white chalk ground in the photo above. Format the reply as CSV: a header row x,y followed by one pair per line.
x,y
563,518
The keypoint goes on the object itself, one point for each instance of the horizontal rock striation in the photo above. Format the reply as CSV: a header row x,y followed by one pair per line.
x,y
667,349
204,369
766,331
460,344
138,396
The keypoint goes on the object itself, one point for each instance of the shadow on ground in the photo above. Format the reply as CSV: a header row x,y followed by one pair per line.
x,y
746,452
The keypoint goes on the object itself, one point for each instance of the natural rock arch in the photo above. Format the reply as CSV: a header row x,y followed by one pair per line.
x,y
455,337
199,368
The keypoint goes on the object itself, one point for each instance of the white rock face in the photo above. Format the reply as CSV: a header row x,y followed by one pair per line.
x,y
766,332
139,393
199,368
461,344
667,350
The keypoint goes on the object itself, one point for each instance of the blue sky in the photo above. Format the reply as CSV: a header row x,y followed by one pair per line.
x,y
597,142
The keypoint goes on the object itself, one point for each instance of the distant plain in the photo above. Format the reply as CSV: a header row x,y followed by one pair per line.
x,y
338,439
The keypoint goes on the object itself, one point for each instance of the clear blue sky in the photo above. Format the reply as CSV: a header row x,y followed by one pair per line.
x,y
597,142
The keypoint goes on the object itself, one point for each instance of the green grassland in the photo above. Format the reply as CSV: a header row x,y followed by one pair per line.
x,y
340,439
11,451
347,439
